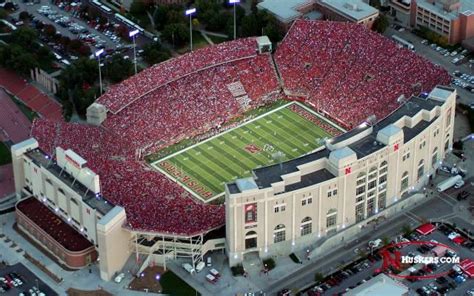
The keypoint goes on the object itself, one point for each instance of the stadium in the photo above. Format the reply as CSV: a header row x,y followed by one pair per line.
x,y
147,175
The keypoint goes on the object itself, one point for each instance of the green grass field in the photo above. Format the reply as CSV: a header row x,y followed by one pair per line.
x,y
207,166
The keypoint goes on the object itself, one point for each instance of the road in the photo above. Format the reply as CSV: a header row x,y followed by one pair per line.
x,y
432,209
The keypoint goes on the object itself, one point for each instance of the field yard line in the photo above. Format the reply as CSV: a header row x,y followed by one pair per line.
x,y
223,133
186,187
321,117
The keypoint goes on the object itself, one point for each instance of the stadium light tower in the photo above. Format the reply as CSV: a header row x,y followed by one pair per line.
x,y
132,34
235,2
97,54
190,12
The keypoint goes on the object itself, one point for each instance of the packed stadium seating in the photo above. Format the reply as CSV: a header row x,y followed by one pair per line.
x,y
344,70
350,72
120,96
59,230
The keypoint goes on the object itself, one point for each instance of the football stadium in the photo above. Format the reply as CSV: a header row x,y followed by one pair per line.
x,y
180,159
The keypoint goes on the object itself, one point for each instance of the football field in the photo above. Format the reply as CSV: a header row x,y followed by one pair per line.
x,y
284,133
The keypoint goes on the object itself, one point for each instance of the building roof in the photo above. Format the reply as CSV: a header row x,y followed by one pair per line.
x,y
467,7
284,10
426,229
310,179
379,285
354,9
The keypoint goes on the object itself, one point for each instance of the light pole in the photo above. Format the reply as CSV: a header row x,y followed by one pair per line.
x,y
132,34
37,285
235,2
97,54
190,12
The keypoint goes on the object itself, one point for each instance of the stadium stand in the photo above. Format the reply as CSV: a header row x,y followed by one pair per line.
x,y
344,70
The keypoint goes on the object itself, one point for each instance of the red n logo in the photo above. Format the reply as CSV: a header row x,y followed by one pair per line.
x,y
395,147
348,170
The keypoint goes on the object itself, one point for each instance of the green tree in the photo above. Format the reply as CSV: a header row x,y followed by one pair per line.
x,y
249,26
375,3
24,37
3,13
406,230
24,16
176,34
380,24
318,277
118,68
154,53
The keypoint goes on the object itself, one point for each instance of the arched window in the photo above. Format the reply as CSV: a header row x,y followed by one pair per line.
x,y
383,167
279,233
383,163
404,182
421,168
250,240
331,218
372,173
434,156
360,179
306,226
250,234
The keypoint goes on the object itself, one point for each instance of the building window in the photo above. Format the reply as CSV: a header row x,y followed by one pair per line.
x,y
422,144
372,184
360,179
382,202
434,157
421,168
372,173
329,193
383,167
360,198
360,190
331,218
332,192
279,208
370,207
306,226
306,201
359,211
406,156
279,233
446,145
404,183
383,179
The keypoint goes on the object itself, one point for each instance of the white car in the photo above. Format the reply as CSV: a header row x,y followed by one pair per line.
x,y
188,268
119,278
453,235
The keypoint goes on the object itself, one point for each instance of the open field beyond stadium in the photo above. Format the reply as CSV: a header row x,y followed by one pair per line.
x,y
204,168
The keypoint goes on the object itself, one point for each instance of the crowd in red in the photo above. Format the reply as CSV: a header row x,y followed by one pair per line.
x,y
125,93
350,72
194,104
59,230
342,69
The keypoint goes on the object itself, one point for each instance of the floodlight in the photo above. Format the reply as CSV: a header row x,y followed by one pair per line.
x,y
99,52
133,33
190,11
234,1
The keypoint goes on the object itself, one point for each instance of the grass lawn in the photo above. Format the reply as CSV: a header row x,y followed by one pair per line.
x,y
175,286
5,155
206,167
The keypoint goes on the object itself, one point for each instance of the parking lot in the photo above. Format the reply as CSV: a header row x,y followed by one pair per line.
x,y
450,280
18,280
67,23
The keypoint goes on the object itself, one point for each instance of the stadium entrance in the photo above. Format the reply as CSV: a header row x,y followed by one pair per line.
x,y
250,240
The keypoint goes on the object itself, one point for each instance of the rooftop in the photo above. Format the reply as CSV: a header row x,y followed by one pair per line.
x,y
379,285
41,159
284,10
467,7
355,9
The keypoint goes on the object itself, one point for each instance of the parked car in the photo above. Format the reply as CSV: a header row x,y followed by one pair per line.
x,y
463,195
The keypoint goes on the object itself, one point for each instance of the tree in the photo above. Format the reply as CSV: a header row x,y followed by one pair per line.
x,y
24,37
249,26
380,24
375,3
318,277
406,230
3,13
176,34
153,53
118,68
24,16
385,240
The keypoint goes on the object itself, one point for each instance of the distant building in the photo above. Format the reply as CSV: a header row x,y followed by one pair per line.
x,y
355,11
380,285
453,19
286,11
